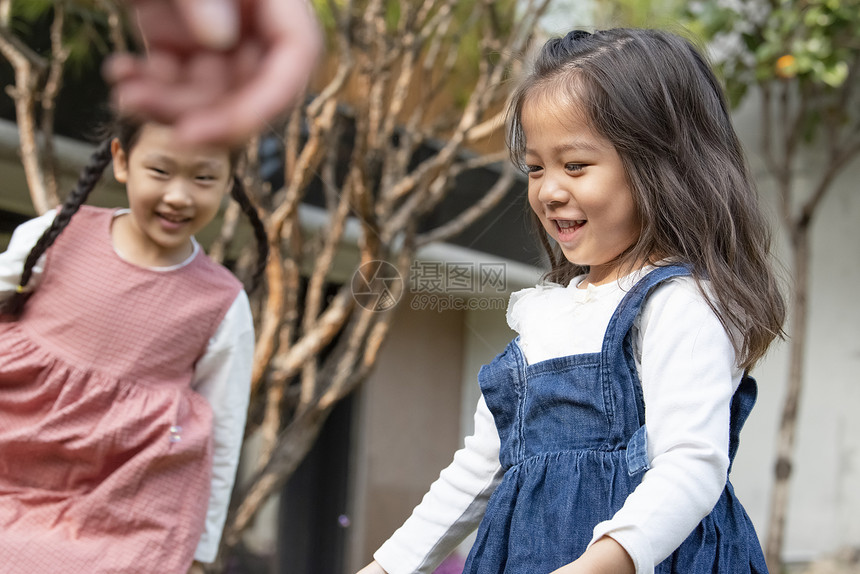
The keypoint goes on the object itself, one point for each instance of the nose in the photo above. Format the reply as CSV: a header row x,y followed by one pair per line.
x,y
177,193
552,189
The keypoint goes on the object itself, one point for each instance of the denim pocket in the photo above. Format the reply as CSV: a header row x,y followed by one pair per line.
x,y
637,452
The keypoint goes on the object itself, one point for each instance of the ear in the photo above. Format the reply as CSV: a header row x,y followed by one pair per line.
x,y
120,161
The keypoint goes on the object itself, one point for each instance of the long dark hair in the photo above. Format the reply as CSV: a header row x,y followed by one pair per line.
x,y
126,132
653,95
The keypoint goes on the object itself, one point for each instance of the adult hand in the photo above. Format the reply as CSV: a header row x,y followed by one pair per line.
x,y
219,70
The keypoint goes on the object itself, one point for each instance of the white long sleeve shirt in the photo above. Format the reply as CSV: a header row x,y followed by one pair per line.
x,y
686,363
222,376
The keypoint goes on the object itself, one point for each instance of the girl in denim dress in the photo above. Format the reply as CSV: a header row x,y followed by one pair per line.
x,y
605,431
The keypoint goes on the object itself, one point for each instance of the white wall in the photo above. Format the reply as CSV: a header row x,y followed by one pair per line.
x,y
485,335
825,499
406,424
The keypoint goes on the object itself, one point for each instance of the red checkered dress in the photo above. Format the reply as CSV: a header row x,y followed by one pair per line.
x,y
105,450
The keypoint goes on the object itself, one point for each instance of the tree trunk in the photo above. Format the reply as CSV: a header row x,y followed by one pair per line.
x,y
296,441
788,423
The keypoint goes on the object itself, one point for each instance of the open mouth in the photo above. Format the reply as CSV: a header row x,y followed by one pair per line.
x,y
172,222
567,227
173,218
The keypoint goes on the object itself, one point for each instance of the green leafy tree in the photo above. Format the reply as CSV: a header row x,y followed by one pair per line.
x,y
639,13
803,60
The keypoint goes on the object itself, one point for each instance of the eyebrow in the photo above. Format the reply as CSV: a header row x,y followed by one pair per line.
x,y
203,163
574,145
208,163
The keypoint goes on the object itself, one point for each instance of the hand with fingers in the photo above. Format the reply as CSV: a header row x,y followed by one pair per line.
x,y
219,70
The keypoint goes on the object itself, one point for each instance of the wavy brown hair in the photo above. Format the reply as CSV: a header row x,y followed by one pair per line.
x,y
654,96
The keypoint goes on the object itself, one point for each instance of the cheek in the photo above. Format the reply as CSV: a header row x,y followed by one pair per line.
x,y
209,204
538,217
629,221
138,196
534,204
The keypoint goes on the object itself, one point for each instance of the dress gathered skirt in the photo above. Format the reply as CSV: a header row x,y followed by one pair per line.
x,y
105,449
574,446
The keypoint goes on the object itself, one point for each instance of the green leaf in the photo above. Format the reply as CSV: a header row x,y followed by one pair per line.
x,y
836,75
30,10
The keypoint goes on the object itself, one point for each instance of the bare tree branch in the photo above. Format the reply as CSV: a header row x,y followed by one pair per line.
x,y
387,96
272,313
306,165
324,260
468,217
327,326
292,145
50,91
229,222
29,68
115,27
839,160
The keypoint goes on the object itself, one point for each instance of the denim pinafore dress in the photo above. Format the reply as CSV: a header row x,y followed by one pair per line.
x,y
573,447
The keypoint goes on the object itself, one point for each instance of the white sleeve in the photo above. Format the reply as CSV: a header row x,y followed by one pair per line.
x,y
453,506
223,377
23,239
688,378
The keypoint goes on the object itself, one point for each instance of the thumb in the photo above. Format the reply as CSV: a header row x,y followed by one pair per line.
x,y
213,23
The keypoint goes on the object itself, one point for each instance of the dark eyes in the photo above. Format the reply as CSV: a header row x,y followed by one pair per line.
x,y
569,167
162,173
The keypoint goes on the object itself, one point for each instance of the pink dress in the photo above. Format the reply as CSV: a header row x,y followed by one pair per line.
x,y
105,450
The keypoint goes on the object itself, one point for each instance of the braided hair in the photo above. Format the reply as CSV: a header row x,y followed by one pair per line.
x,y
237,192
89,177
127,133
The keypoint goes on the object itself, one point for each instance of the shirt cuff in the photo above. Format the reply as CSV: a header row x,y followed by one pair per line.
x,y
633,540
394,558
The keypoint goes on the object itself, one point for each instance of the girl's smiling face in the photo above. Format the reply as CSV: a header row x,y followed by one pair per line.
x,y
578,188
173,189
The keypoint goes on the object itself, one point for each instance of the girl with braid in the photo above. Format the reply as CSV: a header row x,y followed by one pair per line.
x,y
125,362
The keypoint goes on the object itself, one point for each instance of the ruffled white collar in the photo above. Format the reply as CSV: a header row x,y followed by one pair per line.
x,y
554,320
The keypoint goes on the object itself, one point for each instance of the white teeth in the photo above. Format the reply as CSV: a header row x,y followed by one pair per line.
x,y
567,224
173,219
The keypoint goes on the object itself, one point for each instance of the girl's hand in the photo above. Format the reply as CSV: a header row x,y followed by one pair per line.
x,y
605,556
372,568
196,568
